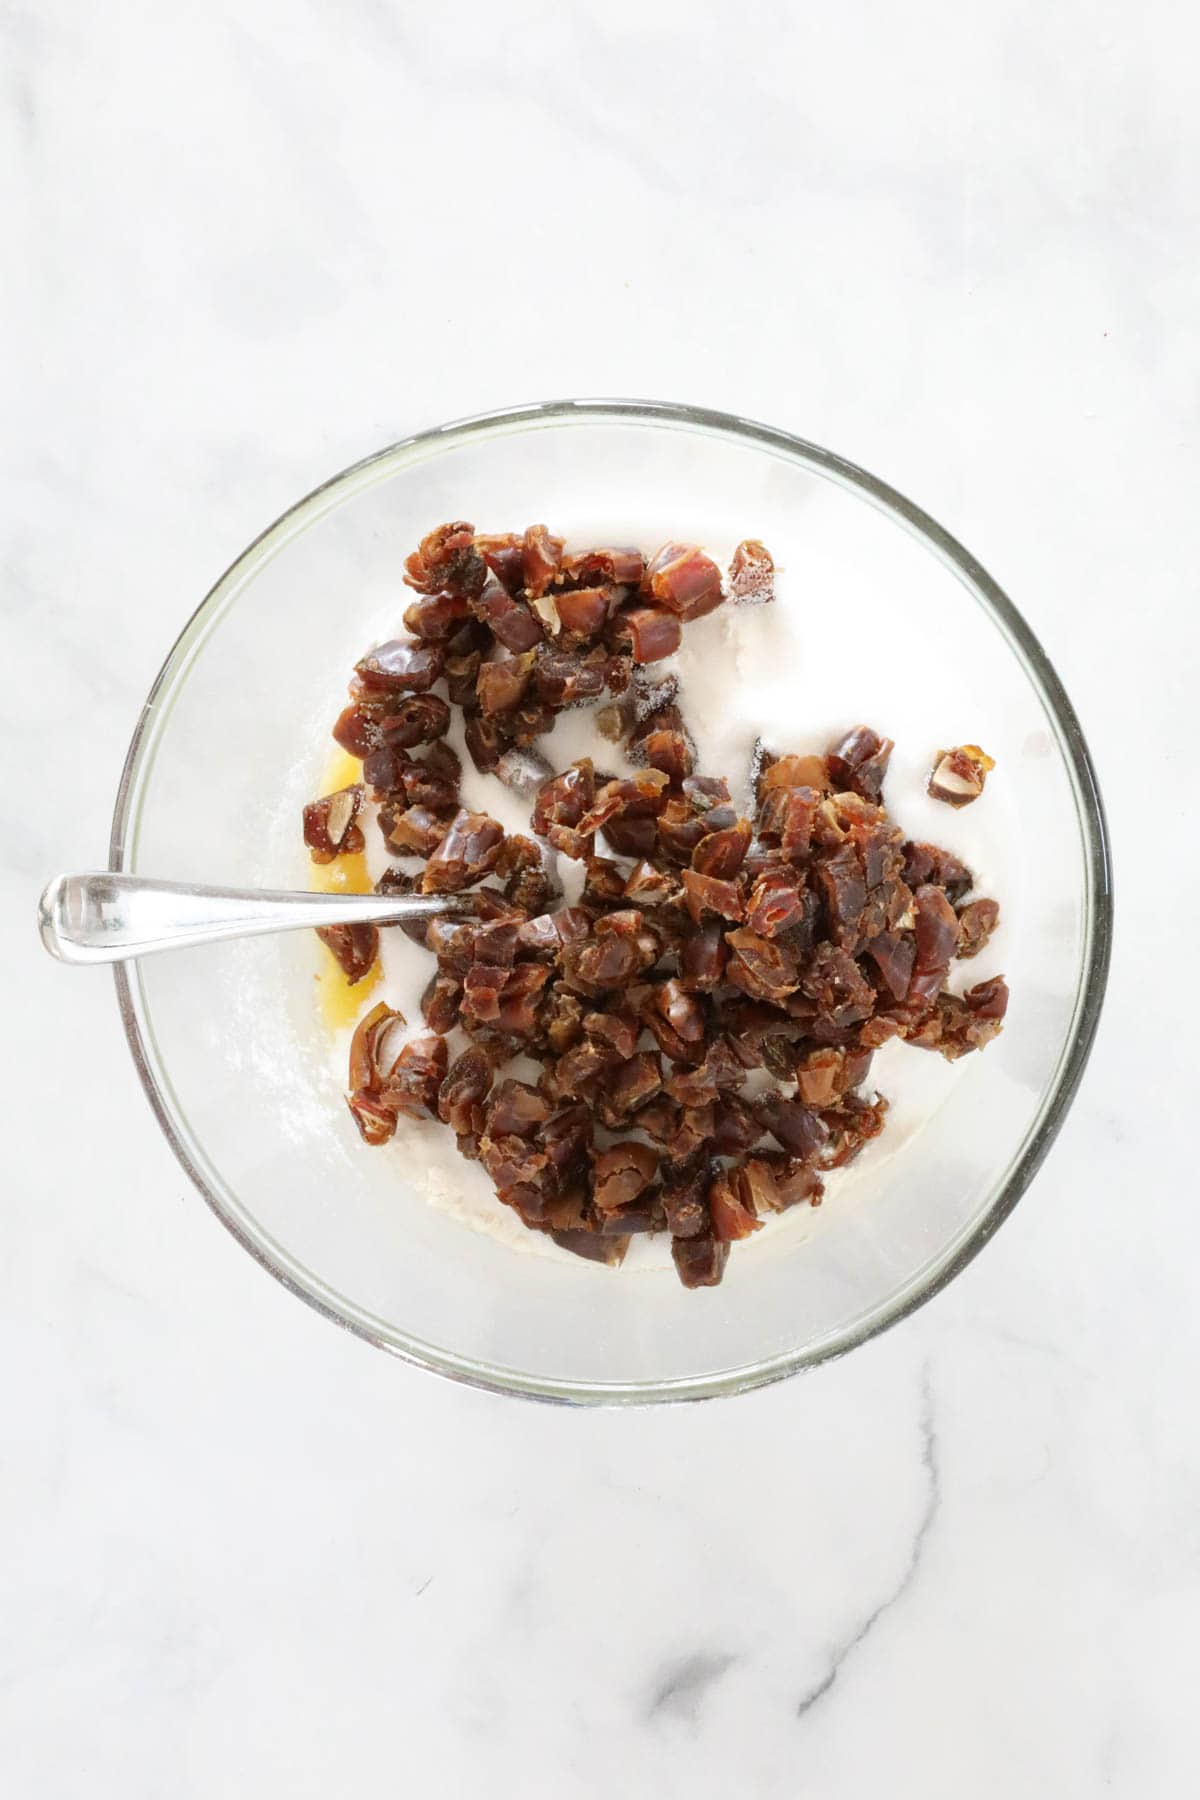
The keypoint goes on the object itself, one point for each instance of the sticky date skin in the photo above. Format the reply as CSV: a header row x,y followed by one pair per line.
x,y
401,667
470,848
356,948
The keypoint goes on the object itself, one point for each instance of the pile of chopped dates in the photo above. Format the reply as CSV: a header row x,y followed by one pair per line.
x,y
704,1016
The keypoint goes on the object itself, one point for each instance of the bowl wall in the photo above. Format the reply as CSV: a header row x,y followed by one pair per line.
x,y
235,740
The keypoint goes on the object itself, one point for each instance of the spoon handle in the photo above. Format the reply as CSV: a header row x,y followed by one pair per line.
x,y
104,917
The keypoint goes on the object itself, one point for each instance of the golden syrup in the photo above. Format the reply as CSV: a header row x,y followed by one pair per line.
x,y
339,1003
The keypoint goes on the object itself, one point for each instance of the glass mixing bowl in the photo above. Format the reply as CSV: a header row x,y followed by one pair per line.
x,y
234,737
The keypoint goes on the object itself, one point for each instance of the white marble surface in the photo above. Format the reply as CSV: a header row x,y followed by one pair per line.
x,y
247,1555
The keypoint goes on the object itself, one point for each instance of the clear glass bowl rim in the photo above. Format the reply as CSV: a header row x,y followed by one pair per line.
x,y
1061,716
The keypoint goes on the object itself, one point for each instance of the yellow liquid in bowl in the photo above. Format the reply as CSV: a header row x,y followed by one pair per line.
x,y
338,1002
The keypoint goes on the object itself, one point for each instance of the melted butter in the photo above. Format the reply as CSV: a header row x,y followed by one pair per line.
x,y
339,1003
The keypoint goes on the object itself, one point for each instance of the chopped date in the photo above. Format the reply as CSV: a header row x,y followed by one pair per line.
x,y
330,825
685,1196
507,999
511,622
677,1019
416,1077
468,851
751,579
604,885
631,836
500,686
844,892
774,904
988,999
708,894
354,946
659,1120
623,1173
545,934
401,667
462,672
503,556
644,1214
594,1245
375,1120
541,559
514,1162
679,829
523,770
398,881
927,863
432,780
710,795
633,1083
936,935
566,1138
747,1025
894,954
486,740
566,678
599,964
564,799
850,1125
441,1001
413,831
668,749
836,985
578,1070
734,1126
700,1261
731,1218
859,762
413,720
640,796
769,1182
722,853
624,566
791,942
787,818
516,1109
684,580
585,611
370,1061
562,1019
436,617
614,1032
383,772
464,1090
798,1128
647,885
824,1075
958,775
650,632
356,728
976,922
791,772
762,967
959,1025
702,956
449,559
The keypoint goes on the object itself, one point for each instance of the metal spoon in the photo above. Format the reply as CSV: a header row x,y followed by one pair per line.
x,y
104,918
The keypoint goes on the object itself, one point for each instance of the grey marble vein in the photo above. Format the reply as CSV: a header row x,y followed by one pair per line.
x,y
683,1685
843,1651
